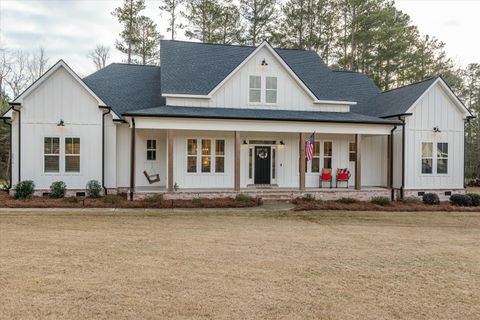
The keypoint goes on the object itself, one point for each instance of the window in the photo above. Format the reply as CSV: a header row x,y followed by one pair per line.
x,y
271,90
427,157
219,156
442,158
327,154
353,152
151,150
51,151
206,154
192,155
316,157
72,154
255,92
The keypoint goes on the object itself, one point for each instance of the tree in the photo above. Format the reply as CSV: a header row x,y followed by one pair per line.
x,y
173,11
38,64
128,16
147,46
259,16
230,27
19,77
99,56
203,18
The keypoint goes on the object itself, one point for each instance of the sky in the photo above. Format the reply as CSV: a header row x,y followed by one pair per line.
x,y
69,29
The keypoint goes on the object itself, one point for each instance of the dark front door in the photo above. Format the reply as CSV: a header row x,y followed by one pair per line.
x,y
262,165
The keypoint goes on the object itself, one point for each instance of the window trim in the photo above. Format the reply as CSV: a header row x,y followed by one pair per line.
x,y
51,154
431,158
322,165
71,155
442,158
154,150
215,155
276,91
434,159
199,156
259,89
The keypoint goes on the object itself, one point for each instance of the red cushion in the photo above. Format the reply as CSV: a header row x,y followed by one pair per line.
x,y
342,176
326,176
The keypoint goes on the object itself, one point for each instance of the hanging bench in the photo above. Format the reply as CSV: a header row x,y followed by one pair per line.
x,y
152,178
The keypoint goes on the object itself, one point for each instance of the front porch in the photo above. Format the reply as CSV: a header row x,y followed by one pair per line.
x,y
270,164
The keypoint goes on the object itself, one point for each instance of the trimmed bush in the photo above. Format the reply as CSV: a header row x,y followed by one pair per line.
x,y
461,200
347,200
57,190
24,189
243,197
93,189
475,199
431,198
381,201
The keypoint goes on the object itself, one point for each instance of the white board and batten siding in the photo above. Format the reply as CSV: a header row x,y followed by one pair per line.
x,y
61,97
234,93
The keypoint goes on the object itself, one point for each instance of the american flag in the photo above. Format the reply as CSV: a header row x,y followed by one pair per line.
x,y
309,148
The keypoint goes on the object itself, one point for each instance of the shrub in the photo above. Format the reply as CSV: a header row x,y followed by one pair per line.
x,y
461,200
308,198
243,197
411,200
431,198
4,186
24,189
154,198
93,189
71,199
381,201
112,198
346,200
57,190
475,199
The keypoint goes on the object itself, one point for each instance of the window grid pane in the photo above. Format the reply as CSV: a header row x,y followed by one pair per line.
x,y
191,164
51,148
72,163
255,87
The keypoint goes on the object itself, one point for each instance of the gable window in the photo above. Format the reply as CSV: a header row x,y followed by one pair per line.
x,y
192,155
327,155
219,156
271,90
51,151
151,150
255,89
442,158
206,155
72,154
427,157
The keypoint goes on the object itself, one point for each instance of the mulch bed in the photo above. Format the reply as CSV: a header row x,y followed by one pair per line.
x,y
120,201
305,205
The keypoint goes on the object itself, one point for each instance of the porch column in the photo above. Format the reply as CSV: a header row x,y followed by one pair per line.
x,y
170,160
301,163
132,159
237,161
389,161
358,163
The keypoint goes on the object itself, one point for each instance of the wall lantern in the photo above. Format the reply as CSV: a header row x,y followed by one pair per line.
x,y
282,143
264,63
436,129
245,142
61,123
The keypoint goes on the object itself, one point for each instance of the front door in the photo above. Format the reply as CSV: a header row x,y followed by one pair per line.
x,y
262,165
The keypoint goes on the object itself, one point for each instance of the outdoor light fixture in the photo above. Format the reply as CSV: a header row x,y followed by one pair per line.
x,y
245,142
436,129
282,143
61,123
264,63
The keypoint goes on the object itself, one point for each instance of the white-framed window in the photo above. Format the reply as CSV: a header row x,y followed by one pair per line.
x,y
271,90
255,89
327,154
219,156
427,157
192,150
206,155
51,154
250,163
72,154
151,150
352,153
442,158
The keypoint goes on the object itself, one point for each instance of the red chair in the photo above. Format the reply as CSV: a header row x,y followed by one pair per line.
x,y
343,175
326,177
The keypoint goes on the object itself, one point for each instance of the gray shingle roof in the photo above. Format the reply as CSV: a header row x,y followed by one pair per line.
x,y
258,114
127,87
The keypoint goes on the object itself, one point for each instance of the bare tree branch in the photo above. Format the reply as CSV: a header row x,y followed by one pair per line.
x,y
100,56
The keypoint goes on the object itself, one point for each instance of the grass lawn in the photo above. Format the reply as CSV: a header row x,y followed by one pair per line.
x,y
221,265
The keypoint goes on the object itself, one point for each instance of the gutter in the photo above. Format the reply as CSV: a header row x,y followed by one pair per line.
x,y
392,196
10,158
103,146
402,188
19,140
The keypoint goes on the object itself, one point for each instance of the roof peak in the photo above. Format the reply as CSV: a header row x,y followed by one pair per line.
x,y
414,83
232,45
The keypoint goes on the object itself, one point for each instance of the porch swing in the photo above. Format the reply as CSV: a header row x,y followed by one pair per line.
x,y
152,178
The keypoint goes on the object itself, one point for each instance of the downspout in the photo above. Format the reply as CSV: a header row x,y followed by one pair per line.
x,y
10,158
132,160
103,147
392,196
402,188
19,142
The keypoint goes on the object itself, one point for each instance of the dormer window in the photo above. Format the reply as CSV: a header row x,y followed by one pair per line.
x,y
271,90
255,89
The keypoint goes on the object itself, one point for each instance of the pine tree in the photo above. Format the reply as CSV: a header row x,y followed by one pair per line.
x,y
147,47
128,16
260,16
203,18
172,7
230,28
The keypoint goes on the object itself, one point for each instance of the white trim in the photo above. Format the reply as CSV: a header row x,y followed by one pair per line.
x,y
8,113
352,103
449,92
187,96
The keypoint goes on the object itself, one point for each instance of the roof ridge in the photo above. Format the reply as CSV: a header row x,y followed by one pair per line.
x,y
210,43
349,71
412,84
134,64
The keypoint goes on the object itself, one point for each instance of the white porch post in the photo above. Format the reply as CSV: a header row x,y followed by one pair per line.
x,y
301,163
358,163
170,151
237,161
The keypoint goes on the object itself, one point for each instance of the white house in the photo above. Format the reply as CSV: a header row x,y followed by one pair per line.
x,y
216,120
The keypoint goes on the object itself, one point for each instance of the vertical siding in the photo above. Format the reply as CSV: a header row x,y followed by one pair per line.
x,y
123,155
374,153
152,167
